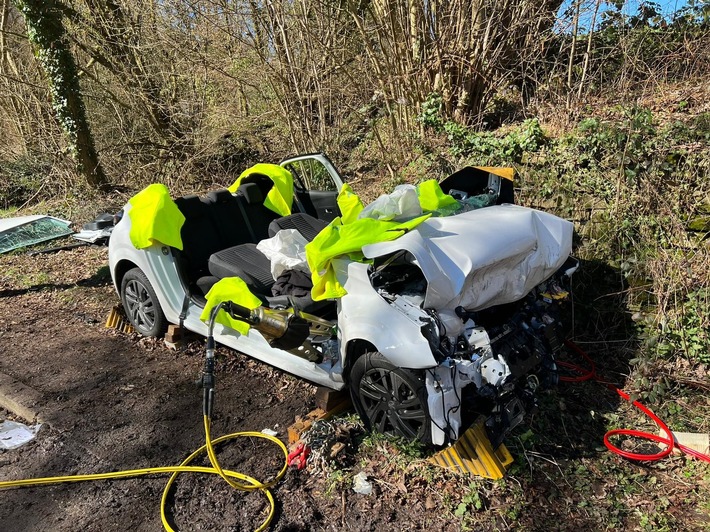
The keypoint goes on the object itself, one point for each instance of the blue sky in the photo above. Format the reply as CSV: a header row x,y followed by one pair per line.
x,y
667,7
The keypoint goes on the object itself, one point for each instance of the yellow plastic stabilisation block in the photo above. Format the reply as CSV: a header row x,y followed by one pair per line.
x,y
116,321
473,454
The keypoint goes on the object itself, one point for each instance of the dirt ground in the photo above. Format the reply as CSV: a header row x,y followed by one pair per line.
x,y
113,401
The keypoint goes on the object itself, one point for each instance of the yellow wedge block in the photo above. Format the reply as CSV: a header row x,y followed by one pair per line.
x,y
473,454
116,320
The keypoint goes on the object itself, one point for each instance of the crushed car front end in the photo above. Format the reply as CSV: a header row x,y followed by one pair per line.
x,y
472,307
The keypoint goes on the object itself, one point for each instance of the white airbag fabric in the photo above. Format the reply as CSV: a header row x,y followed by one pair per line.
x,y
286,250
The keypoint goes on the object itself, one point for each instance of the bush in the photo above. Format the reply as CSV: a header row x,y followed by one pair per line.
x,y
20,180
637,190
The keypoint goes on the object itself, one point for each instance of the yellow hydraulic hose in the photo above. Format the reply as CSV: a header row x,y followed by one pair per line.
x,y
247,483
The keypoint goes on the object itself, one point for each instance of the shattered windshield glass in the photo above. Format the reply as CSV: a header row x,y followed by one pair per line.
x,y
29,230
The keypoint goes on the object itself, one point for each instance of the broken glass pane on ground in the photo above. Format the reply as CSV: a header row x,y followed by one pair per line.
x,y
23,231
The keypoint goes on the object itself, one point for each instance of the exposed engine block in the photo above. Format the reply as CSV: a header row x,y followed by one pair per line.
x,y
497,362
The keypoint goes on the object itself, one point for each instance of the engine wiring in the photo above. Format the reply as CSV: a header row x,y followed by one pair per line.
x,y
589,373
447,429
669,441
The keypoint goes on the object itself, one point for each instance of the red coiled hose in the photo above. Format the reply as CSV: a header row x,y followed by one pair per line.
x,y
590,373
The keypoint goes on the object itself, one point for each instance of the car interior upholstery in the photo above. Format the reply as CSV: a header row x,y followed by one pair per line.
x,y
220,234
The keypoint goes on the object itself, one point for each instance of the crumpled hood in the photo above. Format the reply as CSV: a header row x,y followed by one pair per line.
x,y
484,257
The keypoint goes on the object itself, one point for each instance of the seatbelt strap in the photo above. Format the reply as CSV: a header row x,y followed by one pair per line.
x,y
247,222
185,304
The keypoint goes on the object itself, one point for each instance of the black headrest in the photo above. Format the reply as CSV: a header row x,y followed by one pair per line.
x,y
264,181
220,196
190,206
252,193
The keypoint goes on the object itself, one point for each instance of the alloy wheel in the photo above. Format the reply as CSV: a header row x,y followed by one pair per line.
x,y
391,404
140,305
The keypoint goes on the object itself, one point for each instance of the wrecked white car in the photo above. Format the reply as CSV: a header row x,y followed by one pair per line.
x,y
455,315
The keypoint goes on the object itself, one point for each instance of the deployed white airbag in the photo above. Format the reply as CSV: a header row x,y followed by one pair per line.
x,y
286,250
484,257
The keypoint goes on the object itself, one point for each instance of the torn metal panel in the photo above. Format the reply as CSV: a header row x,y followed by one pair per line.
x,y
14,434
98,236
98,231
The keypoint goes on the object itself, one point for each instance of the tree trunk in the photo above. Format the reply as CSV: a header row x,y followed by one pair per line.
x,y
46,32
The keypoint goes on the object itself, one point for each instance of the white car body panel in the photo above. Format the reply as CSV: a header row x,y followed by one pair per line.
x,y
327,164
484,257
364,314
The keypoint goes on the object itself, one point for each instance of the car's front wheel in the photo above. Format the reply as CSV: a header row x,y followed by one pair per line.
x,y
390,399
141,304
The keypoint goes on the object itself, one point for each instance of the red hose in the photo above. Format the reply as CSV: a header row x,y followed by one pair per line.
x,y
590,373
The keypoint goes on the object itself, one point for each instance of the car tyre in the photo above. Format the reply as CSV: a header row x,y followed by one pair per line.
x,y
141,304
390,399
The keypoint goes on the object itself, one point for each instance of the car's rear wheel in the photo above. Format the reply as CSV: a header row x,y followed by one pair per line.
x,y
141,304
390,399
